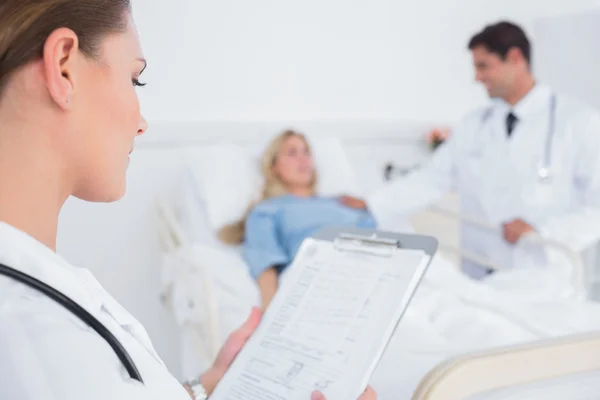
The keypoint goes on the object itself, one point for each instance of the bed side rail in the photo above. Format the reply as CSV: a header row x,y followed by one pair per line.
x,y
576,260
469,375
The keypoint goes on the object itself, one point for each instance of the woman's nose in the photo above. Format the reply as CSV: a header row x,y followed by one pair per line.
x,y
304,158
143,126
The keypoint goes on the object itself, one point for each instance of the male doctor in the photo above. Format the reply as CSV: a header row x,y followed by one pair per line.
x,y
530,161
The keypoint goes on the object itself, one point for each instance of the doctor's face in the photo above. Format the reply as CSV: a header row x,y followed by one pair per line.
x,y
106,117
493,72
294,163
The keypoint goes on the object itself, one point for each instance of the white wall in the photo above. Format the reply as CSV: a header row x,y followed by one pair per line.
x,y
281,59
276,60
569,55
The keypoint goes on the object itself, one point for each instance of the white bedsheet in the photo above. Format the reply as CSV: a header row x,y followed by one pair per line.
x,y
449,315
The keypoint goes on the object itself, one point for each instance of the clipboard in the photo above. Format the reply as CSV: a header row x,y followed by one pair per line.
x,y
373,238
333,317
380,244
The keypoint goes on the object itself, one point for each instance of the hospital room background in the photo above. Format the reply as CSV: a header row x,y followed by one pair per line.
x,y
366,81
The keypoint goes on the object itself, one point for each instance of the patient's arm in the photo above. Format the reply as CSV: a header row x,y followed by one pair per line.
x,y
267,283
263,250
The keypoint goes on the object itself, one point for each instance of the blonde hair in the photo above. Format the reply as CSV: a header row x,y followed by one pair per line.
x,y
273,187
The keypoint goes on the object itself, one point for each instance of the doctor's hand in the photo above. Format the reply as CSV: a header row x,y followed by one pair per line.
x,y
513,231
369,394
234,344
353,202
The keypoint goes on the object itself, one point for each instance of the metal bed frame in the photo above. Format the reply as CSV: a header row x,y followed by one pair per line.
x,y
578,276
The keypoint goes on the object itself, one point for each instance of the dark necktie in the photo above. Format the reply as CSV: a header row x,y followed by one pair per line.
x,y
511,120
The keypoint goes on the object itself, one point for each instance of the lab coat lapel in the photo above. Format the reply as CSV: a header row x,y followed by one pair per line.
x,y
527,154
526,145
528,141
520,155
25,254
132,326
497,181
119,314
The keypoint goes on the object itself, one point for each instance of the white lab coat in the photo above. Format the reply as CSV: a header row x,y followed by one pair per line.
x,y
497,177
48,353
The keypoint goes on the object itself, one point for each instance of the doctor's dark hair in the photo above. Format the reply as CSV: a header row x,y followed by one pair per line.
x,y
26,24
499,38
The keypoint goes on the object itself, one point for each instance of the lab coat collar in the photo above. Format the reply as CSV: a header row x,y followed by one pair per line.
x,y
537,99
24,253
118,312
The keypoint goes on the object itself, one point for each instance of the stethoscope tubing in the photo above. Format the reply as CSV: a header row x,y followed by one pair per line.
x,y
544,173
78,311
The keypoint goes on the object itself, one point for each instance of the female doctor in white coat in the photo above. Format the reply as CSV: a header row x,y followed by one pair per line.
x,y
528,162
69,115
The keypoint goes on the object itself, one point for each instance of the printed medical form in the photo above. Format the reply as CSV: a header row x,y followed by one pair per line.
x,y
327,327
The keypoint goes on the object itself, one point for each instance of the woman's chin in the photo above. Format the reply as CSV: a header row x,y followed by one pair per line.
x,y
103,193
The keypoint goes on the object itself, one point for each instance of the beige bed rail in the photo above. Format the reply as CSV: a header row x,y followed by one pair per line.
x,y
465,376
575,259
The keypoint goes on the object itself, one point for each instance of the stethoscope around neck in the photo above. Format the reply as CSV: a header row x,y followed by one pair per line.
x,y
79,312
544,171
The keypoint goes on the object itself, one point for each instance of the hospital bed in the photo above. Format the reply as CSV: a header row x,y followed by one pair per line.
x,y
498,372
210,293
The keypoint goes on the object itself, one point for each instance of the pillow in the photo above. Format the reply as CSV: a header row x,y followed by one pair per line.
x,y
191,211
336,175
230,180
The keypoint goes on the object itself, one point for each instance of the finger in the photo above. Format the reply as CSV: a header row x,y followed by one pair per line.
x,y
510,237
369,394
251,323
317,396
506,233
512,229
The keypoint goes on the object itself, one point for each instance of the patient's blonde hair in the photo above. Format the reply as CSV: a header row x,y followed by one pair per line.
x,y
234,233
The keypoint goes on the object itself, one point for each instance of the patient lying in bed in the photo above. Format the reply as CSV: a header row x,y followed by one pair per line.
x,y
289,212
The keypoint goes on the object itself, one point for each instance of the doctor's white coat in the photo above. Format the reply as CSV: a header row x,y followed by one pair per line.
x,y
47,353
497,178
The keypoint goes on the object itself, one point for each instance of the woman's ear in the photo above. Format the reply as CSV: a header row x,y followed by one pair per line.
x,y
60,58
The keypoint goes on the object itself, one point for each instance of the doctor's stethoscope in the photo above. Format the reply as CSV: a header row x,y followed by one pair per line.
x,y
544,172
80,313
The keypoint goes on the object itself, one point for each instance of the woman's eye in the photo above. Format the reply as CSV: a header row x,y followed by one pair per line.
x,y
136,82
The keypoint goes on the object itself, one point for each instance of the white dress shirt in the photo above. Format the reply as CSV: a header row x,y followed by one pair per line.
x,y
47,353
497,175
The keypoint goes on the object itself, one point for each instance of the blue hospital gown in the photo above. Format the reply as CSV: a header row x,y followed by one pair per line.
x,y
276,228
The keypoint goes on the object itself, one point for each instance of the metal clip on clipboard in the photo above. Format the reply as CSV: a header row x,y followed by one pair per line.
x,y
373,245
